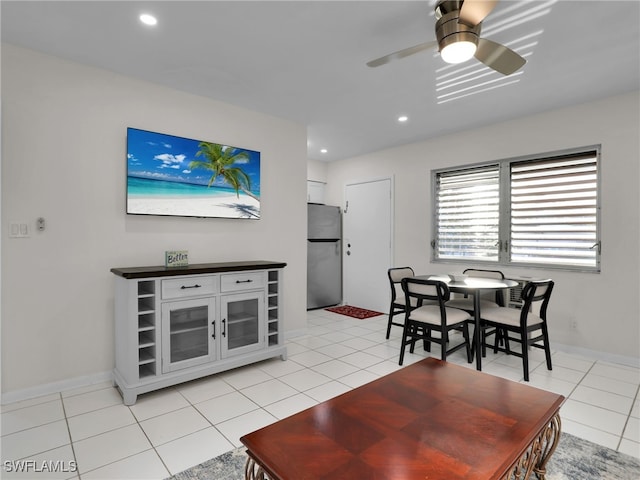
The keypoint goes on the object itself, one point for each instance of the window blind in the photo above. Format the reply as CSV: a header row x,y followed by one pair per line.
x,y
467,214
554,204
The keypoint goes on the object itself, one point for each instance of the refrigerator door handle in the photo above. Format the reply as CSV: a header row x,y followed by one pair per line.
x,y
323,240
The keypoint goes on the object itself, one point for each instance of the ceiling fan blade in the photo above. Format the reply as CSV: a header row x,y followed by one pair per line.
x,y
475,11
498,57
401,54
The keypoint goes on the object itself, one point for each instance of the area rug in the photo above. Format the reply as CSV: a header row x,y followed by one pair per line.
x,y
355,312
574,459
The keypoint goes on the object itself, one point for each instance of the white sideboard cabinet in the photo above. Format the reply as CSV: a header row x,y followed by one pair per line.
x,y
177,324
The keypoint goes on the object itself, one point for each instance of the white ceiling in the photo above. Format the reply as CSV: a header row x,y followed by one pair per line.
x,y
305,60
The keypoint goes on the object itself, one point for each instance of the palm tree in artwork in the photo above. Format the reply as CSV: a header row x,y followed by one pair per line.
x,y
221,160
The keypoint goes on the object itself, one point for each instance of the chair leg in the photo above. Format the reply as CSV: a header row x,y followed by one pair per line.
x,y
423,335
444,338
473,343
389,323
413,333
482,342
547,349
465,333
427,342
525,353
505,336
403,343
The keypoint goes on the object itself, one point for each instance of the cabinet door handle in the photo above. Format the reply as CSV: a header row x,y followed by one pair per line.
x,y
244,281
214,329
224,327
190,286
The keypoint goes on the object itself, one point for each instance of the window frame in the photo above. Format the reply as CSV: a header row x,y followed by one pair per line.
x,y
504,227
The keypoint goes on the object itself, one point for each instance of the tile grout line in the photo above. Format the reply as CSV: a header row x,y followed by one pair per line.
x,y
626,423
147,436
71,442
590,426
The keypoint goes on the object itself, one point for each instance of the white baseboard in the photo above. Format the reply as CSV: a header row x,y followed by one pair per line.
x,y
79,382
595,354
55,387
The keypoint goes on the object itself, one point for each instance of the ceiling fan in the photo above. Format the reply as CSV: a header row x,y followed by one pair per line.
x,y
458,24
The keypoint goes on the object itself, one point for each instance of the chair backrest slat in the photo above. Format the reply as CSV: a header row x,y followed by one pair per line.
x,y
397,274
475,272
535,297
433,290
395,277
499,295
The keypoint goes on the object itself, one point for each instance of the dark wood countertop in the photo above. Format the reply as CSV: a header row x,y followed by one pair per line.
x,y
195,269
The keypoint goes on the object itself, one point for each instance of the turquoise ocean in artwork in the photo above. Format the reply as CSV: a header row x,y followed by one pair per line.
x,y
145,187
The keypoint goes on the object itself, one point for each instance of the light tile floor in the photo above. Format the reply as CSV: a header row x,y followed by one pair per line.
x,y
173,429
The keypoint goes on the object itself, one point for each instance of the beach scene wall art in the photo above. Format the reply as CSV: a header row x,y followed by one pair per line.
x,y
176,176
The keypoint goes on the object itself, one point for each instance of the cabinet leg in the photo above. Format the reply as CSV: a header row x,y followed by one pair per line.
x,y
283,357
129,398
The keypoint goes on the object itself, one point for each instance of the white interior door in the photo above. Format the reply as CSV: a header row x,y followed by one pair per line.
x,y
367,245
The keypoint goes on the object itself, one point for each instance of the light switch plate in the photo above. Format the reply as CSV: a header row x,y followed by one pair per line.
x,y
18,230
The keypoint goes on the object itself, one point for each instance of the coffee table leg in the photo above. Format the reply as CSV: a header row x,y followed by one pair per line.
x,y
253,470
535,459
550,438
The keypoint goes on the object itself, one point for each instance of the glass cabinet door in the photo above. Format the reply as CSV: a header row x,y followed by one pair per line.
x,y
242,323
188,330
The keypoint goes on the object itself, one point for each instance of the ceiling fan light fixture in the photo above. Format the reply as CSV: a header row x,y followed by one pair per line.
x,y
458,52
457,42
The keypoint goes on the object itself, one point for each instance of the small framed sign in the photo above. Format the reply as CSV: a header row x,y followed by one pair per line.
x,y
176,258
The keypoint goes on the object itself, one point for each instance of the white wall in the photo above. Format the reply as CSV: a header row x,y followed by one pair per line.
x,y
63,158
606,305
317,171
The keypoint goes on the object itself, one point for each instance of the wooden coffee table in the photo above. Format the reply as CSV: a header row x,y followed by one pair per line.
x,y
430,420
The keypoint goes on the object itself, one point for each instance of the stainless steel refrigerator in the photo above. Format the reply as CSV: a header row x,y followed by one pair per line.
x,y
324,256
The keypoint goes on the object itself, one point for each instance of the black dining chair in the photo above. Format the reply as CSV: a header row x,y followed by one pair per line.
x,y
426,313
529,324
398,305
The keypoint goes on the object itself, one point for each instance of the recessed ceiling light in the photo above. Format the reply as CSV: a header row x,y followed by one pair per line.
x,y
148,19
324,150
403,118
